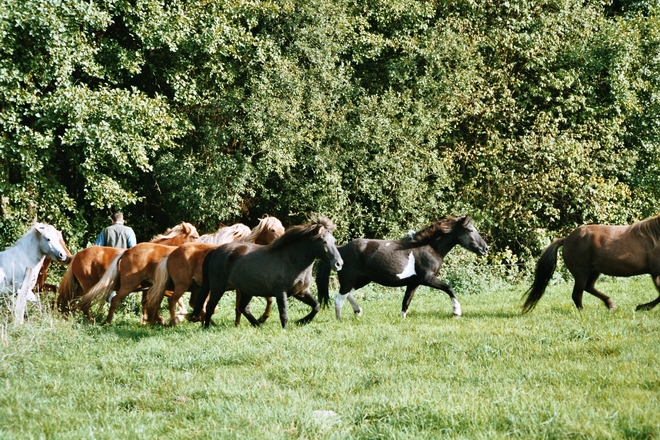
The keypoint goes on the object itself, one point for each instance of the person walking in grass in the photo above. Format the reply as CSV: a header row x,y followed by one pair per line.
x,y
116,235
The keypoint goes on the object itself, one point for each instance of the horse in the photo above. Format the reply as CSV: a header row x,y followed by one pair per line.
x,y
41,241
592,250
280,269
412,261
89,265
182,269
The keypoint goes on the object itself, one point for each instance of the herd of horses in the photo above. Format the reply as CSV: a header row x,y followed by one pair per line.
x,y
271,262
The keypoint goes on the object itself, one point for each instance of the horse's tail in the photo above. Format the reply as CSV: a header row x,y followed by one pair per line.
x,y
545,267
322,282
204,289
157,291
104,286
67,290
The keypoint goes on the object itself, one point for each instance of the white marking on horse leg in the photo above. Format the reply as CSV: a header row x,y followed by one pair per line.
x,y
339,303
409,270
403,315
356,307
457,307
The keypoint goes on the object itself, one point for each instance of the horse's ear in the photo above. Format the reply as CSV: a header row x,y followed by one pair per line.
x,y
40,228
464,220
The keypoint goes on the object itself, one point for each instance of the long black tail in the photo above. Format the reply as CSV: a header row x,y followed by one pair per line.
x,y
203,292
322,282
545,267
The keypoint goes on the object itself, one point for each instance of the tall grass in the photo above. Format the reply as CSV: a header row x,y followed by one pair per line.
x,y
494,373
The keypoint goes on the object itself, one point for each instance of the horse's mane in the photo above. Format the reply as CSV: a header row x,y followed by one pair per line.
x,y
227,234
264,224
316,228
173,232
436,230
649,228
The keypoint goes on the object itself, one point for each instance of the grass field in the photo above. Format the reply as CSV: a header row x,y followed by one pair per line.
x,y
494,373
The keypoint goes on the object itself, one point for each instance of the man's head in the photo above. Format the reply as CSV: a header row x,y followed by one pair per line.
x,y
118,218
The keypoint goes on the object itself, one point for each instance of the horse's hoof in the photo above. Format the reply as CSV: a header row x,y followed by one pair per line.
x,y
457,315
358,312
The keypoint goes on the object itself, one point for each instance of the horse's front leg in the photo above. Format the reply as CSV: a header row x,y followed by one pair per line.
x,y
437,284
244,307
308,299
281,298
655,302
407,297
269,306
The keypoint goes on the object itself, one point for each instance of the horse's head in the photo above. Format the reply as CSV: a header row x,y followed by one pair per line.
x,y
469,237
51,243
190,231
268,229
326,243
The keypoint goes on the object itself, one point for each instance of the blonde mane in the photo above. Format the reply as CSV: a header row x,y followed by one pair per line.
x,y
176,231
265,223
227,234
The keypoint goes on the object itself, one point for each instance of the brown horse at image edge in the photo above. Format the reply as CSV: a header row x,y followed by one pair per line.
x,y
592,250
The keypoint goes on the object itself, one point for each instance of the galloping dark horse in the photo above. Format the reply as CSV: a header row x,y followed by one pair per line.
x,y
280,269
592,250
412,262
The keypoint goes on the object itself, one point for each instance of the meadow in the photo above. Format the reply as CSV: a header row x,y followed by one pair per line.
x,y
494,373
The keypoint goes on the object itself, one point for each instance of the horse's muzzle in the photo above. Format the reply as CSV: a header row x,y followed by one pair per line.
x,y
338,265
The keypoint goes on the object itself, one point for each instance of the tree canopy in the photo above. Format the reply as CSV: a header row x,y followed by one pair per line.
x,y
532,116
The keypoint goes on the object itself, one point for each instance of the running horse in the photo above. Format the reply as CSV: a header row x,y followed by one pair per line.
x,y
41,241
89,265
412,261
592,250
280,269
181,271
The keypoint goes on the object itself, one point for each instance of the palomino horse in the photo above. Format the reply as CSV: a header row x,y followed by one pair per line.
x,y
181,271
412,261
39,242
592,250
89,265
280,269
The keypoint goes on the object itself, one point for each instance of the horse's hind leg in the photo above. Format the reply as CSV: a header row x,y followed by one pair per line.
x,y
655,302
432,281
308,299
590,287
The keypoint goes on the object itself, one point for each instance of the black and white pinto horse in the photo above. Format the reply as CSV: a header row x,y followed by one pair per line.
x,y
412,261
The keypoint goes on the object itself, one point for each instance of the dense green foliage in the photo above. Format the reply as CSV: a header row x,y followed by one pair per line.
x,y
554,373
532,116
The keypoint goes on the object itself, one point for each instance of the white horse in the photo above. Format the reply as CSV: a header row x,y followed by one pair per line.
x,y
40,241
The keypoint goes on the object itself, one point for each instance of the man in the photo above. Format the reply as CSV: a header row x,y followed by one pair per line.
x,y
116,235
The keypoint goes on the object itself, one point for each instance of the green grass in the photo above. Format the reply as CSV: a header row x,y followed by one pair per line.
x,y
494,373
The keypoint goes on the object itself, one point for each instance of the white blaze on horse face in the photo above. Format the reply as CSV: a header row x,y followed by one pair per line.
x,y
409,270
457,307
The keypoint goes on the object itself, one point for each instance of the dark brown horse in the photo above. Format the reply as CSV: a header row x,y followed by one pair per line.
x,y
280,269
181,271
592,250
89,265
412,261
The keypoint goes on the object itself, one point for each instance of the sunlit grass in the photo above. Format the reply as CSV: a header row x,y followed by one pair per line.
x,y
555,372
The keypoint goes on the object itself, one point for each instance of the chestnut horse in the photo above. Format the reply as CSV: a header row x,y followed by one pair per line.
x,y
592,250
280,269
181,271
89,265
412,262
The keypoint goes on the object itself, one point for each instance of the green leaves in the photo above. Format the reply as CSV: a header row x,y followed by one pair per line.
x,y
384,115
